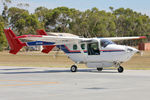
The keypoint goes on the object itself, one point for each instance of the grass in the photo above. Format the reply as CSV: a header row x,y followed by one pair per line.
x,y
34,59
138,61
38,59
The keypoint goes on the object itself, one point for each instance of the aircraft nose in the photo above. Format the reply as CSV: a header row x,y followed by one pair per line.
x,y
131,49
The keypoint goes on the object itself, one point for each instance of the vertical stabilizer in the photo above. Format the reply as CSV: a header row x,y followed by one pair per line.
x,y
14,43
46,49
41,32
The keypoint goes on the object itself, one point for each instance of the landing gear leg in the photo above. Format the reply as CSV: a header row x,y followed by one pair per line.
x,y
73,68
99,69
120,69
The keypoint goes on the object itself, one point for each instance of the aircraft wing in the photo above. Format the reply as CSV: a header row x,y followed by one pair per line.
x,y
58,40
124,38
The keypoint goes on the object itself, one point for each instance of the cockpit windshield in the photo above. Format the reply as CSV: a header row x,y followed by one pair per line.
x,y
105,42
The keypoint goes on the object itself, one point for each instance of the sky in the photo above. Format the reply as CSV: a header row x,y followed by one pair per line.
x,y
142,6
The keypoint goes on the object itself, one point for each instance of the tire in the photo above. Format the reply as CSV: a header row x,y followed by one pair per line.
x,y
99,69
73,68
120,69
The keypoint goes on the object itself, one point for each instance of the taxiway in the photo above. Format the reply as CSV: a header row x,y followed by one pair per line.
x,y
43,83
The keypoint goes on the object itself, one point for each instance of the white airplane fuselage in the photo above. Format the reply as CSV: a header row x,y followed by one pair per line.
x,y
108,56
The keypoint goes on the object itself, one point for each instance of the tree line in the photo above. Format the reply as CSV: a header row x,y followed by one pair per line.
x,y
89,23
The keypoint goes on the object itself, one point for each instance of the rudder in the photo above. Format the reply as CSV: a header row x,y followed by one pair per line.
x,y
14,43
41,32
46,49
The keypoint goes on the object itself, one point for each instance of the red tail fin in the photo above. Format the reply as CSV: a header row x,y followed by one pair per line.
x,y
41,32
46,49
14,43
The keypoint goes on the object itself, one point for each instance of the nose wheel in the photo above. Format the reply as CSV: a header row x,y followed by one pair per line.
x,y
120,69
73,68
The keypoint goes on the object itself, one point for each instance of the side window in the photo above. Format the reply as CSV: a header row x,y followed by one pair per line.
x,y
104,43
74,47
83,46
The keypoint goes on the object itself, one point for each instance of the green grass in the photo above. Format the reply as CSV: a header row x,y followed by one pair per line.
x,y
38,59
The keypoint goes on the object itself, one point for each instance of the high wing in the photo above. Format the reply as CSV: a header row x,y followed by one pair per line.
x,y
124,38
58,40
68,40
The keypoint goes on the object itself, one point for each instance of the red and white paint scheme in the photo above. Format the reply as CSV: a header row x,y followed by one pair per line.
x,y
94,52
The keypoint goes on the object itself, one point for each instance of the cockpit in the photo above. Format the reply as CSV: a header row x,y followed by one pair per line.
x,y
94,49
105,42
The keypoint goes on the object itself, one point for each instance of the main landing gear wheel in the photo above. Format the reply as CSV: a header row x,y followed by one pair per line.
x,y
120,69
99,69
73,68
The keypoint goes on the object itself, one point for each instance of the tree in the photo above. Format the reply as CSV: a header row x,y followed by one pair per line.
x,y
111,8
23,22
5,9
23,5
41,12
2,37
20,25
90,23
14,14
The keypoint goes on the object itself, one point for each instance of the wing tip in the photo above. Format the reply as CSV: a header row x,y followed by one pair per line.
x,y
142,37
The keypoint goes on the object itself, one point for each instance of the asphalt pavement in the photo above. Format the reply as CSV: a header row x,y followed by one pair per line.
x,y
43,83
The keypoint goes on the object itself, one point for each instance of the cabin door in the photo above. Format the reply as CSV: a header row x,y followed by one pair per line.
x,y
93,52
93,49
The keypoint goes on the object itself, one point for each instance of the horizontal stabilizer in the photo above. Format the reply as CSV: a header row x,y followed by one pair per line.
x,y
47,49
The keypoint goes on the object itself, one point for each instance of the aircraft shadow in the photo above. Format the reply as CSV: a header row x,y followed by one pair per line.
x,y
54,71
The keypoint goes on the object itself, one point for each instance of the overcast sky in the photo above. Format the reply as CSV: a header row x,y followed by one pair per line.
x,y
142,6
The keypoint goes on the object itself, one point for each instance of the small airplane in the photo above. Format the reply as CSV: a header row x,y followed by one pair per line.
x,y
94,52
